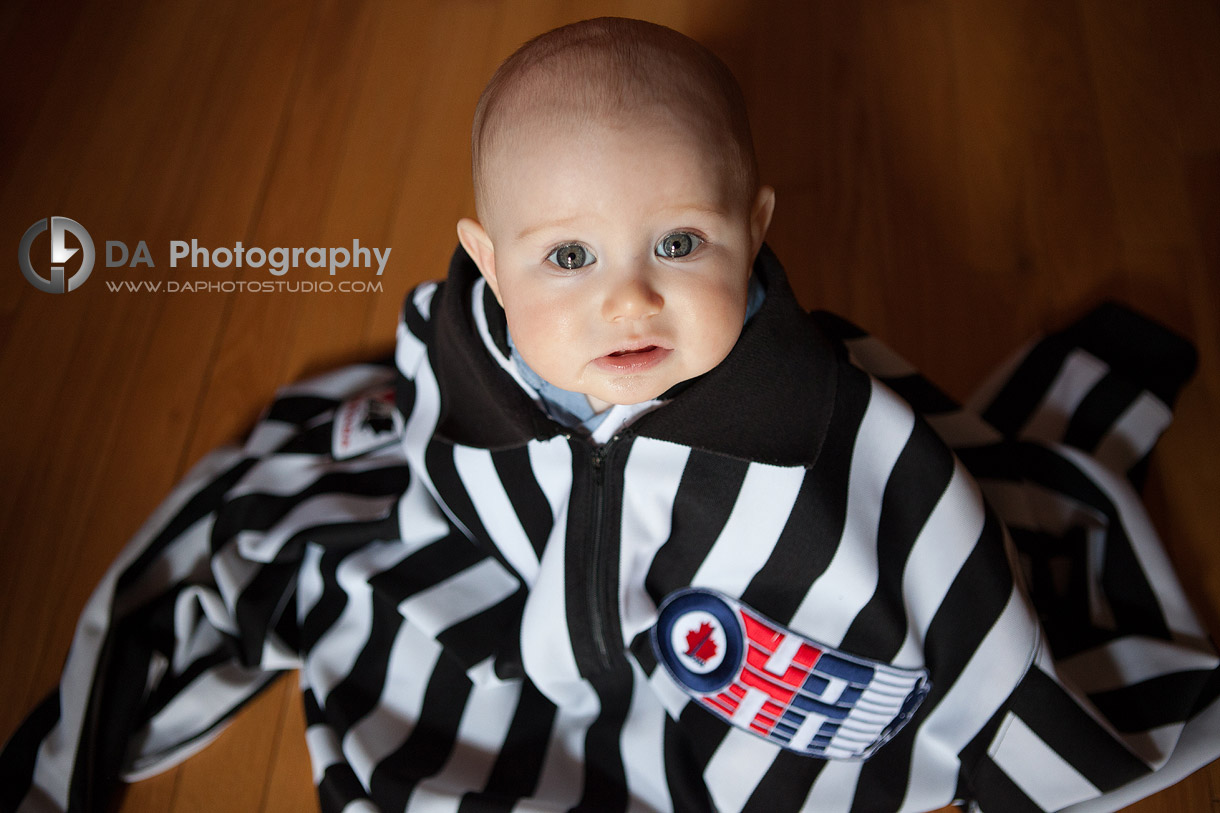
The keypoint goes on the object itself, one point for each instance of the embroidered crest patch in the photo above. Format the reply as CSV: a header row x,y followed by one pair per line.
x,y
779,685
366,422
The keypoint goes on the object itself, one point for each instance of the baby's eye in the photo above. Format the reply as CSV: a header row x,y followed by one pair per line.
x,y
678,244
571,256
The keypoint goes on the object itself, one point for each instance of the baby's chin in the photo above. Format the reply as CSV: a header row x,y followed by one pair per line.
x,y
629,393
628,390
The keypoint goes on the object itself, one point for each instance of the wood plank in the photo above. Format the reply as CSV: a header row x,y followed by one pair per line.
x,y
263,332
1136,104
90,395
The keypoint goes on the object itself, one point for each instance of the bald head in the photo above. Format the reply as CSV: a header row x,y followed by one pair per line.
x,y
614,72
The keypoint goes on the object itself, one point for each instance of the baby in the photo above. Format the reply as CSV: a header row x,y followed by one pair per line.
x,y
620,208
624,528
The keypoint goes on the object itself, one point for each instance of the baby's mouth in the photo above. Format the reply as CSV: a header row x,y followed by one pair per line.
x,y
645,349
633,359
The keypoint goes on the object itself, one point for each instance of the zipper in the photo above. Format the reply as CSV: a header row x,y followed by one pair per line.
x,y
602,582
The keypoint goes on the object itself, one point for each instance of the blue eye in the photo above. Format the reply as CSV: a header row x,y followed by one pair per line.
x,y
678,244
571,256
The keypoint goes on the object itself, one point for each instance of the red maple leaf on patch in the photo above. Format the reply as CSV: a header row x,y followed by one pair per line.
x,y
699,643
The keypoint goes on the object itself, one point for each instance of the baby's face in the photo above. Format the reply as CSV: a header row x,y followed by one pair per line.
x,y
621,255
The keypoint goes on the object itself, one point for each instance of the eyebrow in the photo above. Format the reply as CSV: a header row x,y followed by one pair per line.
x,y
553,224
714,211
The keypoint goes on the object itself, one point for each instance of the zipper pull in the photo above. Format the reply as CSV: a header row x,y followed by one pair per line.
x,y
600,453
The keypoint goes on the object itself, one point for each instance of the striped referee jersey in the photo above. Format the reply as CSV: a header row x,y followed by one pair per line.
x,y
808,581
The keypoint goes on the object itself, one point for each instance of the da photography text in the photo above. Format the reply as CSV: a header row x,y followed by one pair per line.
x,y
278,260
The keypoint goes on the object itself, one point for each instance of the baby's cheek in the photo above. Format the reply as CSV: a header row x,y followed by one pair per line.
x,y
719,327
544,341
718,348
527,319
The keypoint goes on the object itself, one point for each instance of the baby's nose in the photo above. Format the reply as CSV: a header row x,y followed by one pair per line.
x,y
633,297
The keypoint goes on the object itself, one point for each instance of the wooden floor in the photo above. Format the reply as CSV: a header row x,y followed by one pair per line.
x,y
953,174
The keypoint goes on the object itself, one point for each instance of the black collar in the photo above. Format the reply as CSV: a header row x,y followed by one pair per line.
x,y
770,400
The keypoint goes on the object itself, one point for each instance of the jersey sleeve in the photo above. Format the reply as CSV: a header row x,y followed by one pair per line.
x,y
1120,698
198,612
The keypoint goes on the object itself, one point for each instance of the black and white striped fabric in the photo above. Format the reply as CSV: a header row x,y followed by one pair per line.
x,y
780,591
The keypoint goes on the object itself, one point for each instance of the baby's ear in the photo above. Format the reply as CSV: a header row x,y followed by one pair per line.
x,y
760,215
474,239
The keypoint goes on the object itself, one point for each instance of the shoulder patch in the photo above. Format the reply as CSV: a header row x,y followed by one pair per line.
x,y
366,422
779,685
